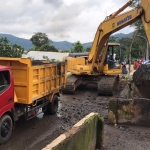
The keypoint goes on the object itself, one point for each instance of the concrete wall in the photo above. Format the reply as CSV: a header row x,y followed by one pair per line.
x,y
87,134
129,111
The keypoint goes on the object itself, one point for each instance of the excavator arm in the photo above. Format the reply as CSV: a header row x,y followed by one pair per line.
x,y
117,21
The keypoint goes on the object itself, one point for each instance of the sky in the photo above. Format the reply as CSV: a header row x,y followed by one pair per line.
x,y
61,20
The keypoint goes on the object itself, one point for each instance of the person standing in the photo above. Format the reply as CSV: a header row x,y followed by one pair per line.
x,y
136,65
124,69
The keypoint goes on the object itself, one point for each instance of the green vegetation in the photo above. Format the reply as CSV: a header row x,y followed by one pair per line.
x,y
41,42
88,49
39,39
139,46
89,135
49,48
77,47
8,50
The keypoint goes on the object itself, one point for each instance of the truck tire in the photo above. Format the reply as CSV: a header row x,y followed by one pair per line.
x,y
6,126
52,107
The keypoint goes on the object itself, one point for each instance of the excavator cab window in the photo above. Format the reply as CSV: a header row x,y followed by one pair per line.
x,y
113,56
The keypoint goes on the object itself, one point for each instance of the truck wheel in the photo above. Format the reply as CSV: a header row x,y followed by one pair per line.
x,y
6,127
52,107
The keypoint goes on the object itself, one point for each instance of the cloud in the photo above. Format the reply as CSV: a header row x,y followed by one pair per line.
x,y
59,19
55,3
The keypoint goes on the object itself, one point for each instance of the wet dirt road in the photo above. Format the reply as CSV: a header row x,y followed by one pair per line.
x,y
29,133
36,133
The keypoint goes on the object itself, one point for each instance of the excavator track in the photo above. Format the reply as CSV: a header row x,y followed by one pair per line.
x,y
106,85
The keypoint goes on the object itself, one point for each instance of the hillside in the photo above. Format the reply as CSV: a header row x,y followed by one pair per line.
x,y
62,45
121,35
25,43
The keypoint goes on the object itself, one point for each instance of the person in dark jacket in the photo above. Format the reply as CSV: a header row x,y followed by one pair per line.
x,y
124,69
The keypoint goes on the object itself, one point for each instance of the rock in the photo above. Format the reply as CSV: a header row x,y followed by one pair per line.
x,y
116,126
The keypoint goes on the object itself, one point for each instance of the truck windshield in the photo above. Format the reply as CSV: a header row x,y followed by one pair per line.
x,y
4,80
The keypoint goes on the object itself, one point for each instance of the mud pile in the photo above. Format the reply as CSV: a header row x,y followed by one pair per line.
x,y
141,79
142,75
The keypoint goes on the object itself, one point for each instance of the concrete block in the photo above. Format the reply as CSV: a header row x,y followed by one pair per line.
x,y
87,134
129,111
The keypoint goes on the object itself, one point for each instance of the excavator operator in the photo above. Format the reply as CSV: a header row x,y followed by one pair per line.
x,y
111,62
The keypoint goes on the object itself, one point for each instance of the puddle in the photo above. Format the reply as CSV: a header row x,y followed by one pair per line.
x,y
40,114
59,110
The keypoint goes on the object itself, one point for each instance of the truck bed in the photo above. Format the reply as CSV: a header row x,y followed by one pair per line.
x,y
35,80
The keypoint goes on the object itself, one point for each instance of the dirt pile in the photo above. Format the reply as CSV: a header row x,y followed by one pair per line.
x,y
142,75
141,79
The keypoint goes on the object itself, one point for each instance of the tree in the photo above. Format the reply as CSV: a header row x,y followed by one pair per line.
x,y
112,39
39,39
48,48
8,50
139,42
77,47
125,45
139,28
88,49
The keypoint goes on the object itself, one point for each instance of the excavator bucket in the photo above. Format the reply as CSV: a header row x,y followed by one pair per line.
x,y
146,17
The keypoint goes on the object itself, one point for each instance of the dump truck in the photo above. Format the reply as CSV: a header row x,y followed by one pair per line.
x,y
89,68
27,88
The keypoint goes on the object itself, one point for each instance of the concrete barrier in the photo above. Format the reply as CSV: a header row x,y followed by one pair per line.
x,y
129,111
87,134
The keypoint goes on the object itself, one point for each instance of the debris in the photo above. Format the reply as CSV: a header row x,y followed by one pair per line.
x,y
116,126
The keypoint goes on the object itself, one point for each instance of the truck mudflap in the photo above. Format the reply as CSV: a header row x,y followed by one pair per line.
x,y
106,85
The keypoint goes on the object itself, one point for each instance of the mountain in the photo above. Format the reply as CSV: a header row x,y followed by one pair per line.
x,y
62,45
25,43
122,35
86,45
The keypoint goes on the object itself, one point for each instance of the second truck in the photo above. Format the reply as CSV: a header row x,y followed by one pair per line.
x,y
90,68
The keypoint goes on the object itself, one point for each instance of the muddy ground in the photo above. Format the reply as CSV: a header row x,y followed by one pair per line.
x,y
36,133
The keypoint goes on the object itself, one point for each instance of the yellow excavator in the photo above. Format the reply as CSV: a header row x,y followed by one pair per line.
x,y
95,66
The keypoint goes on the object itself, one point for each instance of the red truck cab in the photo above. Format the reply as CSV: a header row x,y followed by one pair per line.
x,y
6,102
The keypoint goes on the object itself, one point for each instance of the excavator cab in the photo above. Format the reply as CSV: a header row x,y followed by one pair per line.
x,y
113,59
110,57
